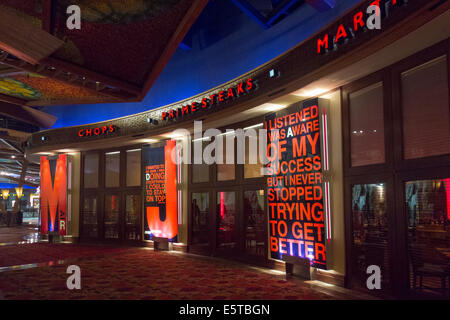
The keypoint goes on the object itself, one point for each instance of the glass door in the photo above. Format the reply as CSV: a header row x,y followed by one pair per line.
x,y
89,226
255,230
427,207
132,228
200,223
370,241
226,231
111,217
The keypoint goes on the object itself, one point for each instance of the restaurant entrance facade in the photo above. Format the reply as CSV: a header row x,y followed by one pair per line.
x,y
366,175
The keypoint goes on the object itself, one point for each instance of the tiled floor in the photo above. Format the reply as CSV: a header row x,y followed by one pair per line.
x,y
139,273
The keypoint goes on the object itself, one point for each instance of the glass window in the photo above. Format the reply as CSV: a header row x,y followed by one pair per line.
x,y
112,169
200,210
132,214
255,232
133,167
91,170
367,126
252,170
90,223
200,172
225,220
426,115
370,231
111,216
428,211
226,171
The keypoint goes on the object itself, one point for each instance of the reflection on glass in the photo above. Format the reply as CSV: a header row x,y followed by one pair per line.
x,y
427,205
200,209
226,171
255,235
367,126
252,170
91,170
370,231
426,130
200,172
90,222
225,220
133,167
111,216
112,169
132,213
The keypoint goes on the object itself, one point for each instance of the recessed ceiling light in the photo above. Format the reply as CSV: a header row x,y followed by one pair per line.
x,y
310,92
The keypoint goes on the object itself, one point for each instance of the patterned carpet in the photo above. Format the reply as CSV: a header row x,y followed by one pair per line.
x,y
137,273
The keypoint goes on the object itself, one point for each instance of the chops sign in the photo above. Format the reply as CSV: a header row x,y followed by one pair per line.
x,y
215,99
97,131
371,19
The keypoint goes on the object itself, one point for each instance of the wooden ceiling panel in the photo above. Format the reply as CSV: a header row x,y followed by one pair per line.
x,y
20,37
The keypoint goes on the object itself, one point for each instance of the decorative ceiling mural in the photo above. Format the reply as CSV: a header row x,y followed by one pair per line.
x,y
117,11
52,91
117,54
18,89
118,38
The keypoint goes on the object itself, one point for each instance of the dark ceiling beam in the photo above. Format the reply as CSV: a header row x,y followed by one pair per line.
x,y
11,99
9,152
321,5
76,76
174,42
250,11
47,15
28,115
10,145
9,71
280,10
23,39
92,75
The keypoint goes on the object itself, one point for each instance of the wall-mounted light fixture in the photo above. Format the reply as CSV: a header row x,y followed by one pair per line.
x,y
5,194
19,192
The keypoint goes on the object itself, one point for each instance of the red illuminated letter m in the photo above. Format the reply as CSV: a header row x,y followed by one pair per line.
x,y
53,194
322,43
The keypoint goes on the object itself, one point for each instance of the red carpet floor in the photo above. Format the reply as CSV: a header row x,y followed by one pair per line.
x,y
136,273
42,252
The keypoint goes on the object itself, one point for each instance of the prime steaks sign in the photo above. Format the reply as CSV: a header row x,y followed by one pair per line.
x,y
216,99
295,185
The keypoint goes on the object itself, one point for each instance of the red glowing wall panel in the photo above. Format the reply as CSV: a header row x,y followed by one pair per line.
x,y
54,194
295,186
161,218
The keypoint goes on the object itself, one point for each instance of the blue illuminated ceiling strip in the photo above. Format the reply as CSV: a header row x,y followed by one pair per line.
x,y
185,46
